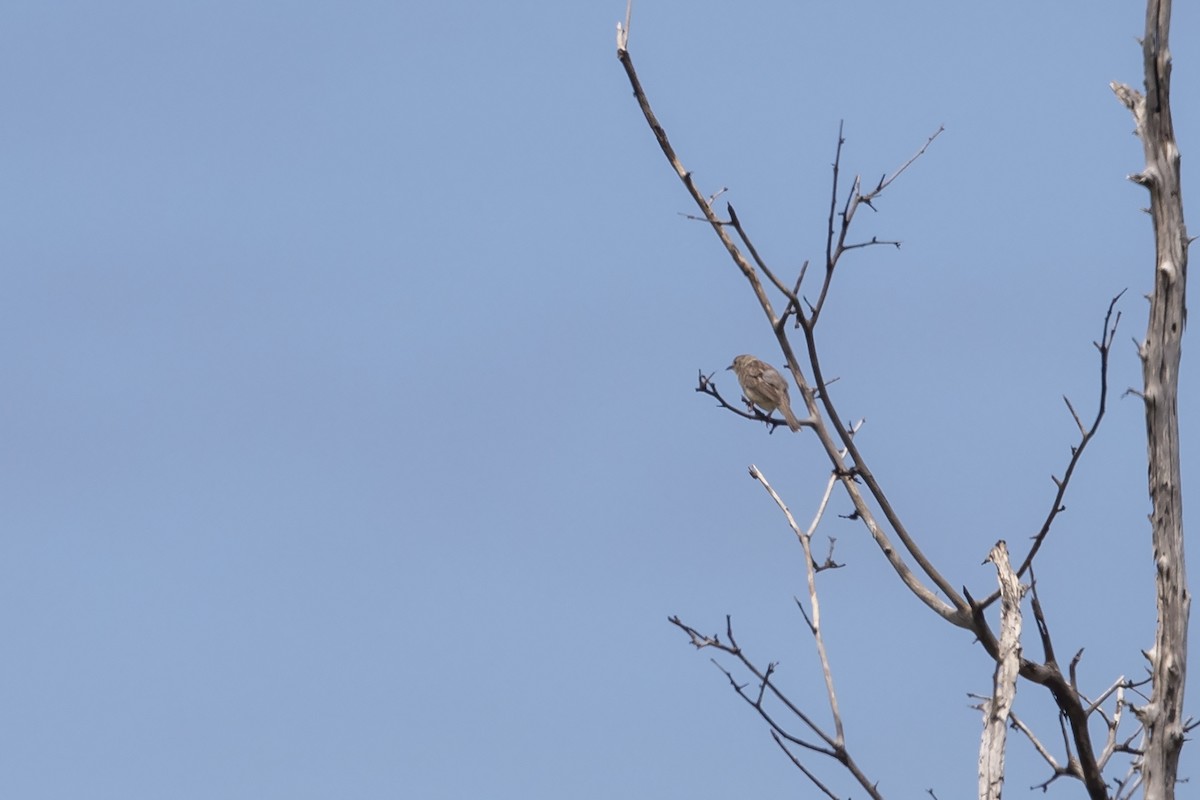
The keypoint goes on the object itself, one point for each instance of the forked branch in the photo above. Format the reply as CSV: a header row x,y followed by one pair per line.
x,y
833,442
831,744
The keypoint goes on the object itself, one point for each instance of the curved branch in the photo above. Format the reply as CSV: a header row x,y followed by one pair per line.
x,y
1104,346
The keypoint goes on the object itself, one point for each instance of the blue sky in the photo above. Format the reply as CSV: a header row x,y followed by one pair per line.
x,y
351,447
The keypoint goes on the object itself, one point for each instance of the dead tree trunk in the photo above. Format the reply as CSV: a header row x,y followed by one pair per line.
x,y
1160,352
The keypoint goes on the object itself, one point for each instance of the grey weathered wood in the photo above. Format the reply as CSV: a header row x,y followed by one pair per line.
x,y
1160,354
1004,680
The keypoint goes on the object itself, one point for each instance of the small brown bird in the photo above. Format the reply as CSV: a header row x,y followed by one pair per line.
x,y
764,387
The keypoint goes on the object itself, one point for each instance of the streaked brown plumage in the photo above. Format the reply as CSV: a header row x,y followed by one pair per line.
x,y
764,386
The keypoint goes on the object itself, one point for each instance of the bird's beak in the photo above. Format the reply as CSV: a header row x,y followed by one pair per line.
x,y
729,368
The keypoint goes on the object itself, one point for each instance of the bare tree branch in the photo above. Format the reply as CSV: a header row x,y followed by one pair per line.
x,y
800,766
1104,346
814,621
955,611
